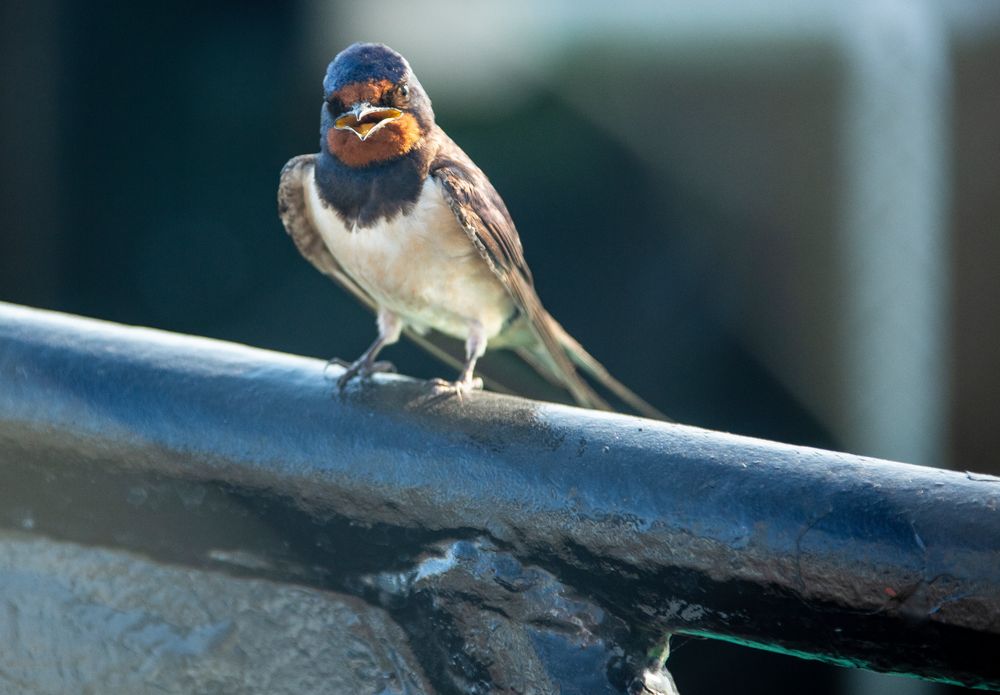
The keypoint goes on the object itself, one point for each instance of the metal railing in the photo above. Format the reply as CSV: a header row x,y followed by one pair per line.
x,y
462,517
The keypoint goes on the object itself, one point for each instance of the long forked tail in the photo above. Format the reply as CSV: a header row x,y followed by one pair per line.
x,y
528,368
589,366
595,370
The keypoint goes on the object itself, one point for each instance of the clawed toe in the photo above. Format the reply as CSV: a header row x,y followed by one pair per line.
x,y
383,367
349,373
362,369
458,388
336,362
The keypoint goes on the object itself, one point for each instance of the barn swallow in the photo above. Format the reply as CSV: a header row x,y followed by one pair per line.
x,y
394,211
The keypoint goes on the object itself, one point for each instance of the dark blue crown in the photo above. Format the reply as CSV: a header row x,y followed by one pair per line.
x,y
361,62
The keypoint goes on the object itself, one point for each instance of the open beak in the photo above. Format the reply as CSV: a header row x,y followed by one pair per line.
x,y
364,119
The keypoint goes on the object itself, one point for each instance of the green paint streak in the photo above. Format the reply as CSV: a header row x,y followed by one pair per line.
x,y
837,661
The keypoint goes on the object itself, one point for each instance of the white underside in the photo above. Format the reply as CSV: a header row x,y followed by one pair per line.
x,y
421,266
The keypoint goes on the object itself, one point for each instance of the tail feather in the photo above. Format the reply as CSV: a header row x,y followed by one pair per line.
x,y
538,357
534,371
597,371
581,391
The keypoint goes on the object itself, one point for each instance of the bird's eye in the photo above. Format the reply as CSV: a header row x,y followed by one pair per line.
x,y
404,90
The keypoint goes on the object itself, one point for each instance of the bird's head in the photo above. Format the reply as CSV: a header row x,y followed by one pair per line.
x,y
374,108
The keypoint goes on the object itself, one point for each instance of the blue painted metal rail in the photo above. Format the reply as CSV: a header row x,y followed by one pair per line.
x,y
622,528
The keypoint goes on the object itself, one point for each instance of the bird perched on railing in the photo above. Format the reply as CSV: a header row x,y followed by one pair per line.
x,y
393,210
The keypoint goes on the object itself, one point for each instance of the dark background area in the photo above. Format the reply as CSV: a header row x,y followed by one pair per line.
x,y
142,146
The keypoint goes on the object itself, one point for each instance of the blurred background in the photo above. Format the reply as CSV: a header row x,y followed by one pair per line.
x,y
777,219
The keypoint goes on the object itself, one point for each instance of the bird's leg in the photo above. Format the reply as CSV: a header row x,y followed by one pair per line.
x,y
475,346
389,328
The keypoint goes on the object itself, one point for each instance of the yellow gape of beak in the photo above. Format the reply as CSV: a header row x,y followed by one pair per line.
x,y
364,119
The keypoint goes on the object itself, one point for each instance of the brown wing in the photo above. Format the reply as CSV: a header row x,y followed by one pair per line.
x,y
294,212
483,215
